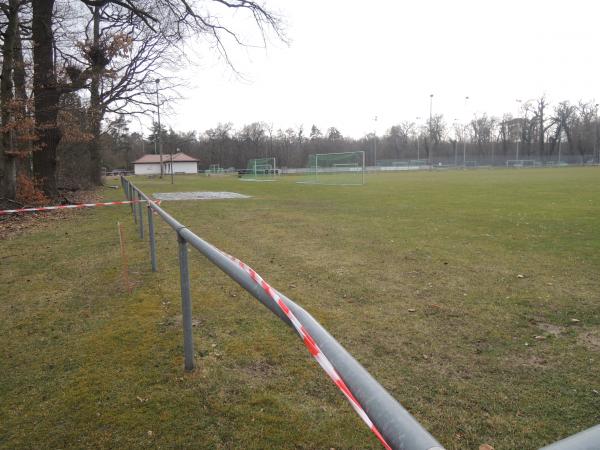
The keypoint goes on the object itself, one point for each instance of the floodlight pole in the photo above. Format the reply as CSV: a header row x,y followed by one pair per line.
x,y
155,141
160,149
455,155
363,167
596,155
418,143
464,137
375,141
518,136
430,127
172,171
455,123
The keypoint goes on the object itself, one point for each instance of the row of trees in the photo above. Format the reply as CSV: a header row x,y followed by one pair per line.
x,y
539,132
566,131
67,65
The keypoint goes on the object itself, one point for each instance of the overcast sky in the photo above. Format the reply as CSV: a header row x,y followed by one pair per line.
x,y
349,61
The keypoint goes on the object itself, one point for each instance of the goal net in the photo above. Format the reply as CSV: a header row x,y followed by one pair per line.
x,y
214,169
260,169
336,168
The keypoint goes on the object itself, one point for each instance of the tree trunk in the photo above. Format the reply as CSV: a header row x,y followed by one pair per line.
x,y
9,187
24,143
46,96
95,112
542,136
569,140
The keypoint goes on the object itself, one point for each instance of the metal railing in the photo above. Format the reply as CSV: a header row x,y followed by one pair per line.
x,y
398,428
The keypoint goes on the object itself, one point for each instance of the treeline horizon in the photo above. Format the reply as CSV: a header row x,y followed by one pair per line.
x,y
565,132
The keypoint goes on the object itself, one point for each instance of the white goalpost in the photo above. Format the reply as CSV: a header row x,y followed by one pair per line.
x,y
346,168
260,169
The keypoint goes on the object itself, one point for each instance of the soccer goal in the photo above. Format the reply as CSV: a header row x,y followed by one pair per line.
x,y
214,169
260,169
346,168
520,163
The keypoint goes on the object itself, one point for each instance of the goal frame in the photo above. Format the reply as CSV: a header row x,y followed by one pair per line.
x,y
362,166
268,166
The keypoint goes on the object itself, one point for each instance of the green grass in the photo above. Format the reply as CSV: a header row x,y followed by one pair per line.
x,y
84,365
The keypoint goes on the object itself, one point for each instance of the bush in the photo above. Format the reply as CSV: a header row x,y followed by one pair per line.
x,y
29,192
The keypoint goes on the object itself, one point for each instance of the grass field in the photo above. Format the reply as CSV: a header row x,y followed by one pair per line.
x,y
457,291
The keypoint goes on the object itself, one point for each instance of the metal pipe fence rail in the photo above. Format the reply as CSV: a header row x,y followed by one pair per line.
x,y
393,425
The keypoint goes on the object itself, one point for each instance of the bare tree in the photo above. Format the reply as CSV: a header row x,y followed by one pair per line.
x,y
542,123
171,20
10,44
399,135
333,134
585,121
565,117
254,134
315,133
482,128
218,138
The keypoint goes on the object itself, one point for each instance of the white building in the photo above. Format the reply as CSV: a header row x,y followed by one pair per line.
x,y
150,164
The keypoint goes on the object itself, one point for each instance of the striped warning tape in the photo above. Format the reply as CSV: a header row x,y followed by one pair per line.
x,y
80,205
312,346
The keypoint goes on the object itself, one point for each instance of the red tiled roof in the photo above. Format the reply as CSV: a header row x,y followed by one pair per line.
x,y
155,159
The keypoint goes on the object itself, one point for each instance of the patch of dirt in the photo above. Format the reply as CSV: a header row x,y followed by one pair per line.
x,y
259,369
197,195
554,330
17,224
590,340
530,361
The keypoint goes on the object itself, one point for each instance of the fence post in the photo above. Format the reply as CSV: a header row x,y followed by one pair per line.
x,y
141,215
135,205
151,239
186,304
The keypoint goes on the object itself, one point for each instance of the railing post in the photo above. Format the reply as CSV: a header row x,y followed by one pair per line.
x,y
186,304
131,199
151,239
134,205
141,215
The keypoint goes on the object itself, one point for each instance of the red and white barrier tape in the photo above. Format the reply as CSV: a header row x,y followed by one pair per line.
x,y
312,346
80,205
